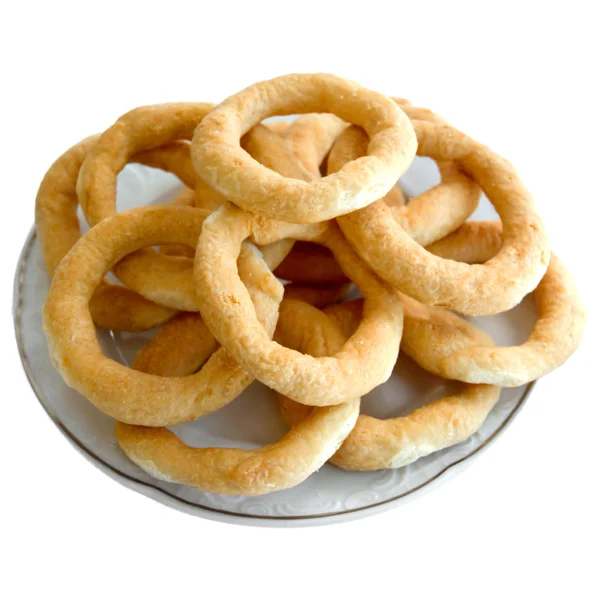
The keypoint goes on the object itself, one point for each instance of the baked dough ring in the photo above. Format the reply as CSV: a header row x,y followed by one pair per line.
x,y
554,337
116,390
221,162
493,287
391,443
144,128
284,464
279,466
112,306
364,362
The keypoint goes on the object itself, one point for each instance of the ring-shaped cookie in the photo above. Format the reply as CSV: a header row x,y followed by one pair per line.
x,y
288,462
490,288
384,443
144,128
119,391
225,166
279,466
367,358
112,306
554,337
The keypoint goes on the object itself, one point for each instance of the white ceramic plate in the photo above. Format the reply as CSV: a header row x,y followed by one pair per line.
x,y
331,494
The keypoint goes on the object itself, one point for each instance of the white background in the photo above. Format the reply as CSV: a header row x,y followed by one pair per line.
x,y
522,521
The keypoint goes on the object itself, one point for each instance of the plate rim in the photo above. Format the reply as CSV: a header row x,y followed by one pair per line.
x,y
198,510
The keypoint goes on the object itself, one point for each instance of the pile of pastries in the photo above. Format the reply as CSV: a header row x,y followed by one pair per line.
x,y
247,273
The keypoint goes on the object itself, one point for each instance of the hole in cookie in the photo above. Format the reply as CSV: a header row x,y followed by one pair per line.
x,y
138,185
422,175
409,388
250,421
509,328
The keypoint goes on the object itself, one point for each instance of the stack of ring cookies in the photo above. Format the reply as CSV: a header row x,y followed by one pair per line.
x,y
248,275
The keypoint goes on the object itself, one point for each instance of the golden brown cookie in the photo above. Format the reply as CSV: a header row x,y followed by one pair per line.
x,y
288,462
555,335
121,392
490,288
221,162
365,360
112,306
